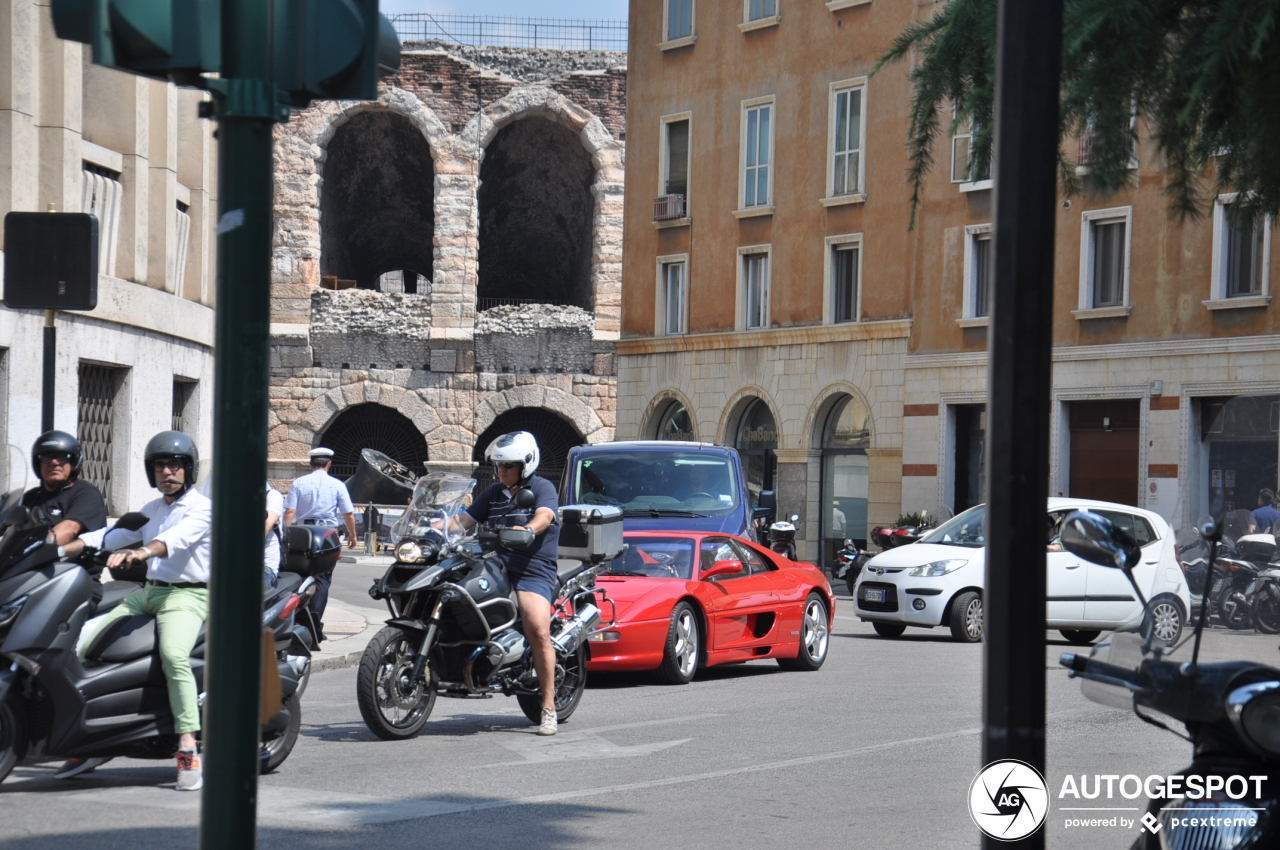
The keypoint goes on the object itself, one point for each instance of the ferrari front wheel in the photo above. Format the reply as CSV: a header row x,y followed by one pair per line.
x,y
815,634
683,649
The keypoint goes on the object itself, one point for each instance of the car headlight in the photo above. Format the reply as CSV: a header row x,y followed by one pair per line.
x,y
409,552
938,568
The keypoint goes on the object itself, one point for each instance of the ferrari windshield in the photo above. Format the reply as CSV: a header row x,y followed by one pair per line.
x,y
965,530
437,499
661,557
657,483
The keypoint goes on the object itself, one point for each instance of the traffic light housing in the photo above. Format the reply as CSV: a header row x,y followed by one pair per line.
x,y
169,39
332,49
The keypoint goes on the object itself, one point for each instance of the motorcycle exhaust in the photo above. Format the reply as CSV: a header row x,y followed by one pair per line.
x,y
576,629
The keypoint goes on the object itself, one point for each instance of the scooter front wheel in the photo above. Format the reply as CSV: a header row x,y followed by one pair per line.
x,y
274,751
13,742
394,706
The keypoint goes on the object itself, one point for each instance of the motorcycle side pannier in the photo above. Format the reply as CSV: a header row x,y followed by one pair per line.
x,y
312,549
590,532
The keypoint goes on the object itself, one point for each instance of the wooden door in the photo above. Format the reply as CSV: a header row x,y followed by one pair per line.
x,y
1104,450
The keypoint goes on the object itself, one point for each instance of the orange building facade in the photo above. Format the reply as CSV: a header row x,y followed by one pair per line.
x,y
776,297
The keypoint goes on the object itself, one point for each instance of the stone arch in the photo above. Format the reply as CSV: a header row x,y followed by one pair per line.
x,y
658,407
569,407
329,115
555,436
737,405
325,409
826,399
373,426
526,101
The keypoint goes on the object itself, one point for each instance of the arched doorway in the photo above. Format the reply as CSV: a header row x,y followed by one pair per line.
x,y
675,423
536,211
373,426
846,436
756,439
377,204
555,437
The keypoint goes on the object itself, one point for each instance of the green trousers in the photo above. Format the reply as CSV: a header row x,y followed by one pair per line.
x,y
179,612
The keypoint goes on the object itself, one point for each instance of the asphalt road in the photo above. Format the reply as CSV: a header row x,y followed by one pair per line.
x,y
876,750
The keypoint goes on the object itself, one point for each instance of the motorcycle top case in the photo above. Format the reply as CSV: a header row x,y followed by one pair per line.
x,y
590,532
312,549
1256,547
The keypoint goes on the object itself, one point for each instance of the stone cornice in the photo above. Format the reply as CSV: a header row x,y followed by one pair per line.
x,y
1117,351
807,335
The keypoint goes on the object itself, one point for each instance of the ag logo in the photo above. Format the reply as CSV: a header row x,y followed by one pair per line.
x,y
1008,800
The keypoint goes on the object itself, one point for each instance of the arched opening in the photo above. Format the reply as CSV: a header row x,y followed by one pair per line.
x,y
536,210
756,439
674,423
555,437
372,426
377,204
846,436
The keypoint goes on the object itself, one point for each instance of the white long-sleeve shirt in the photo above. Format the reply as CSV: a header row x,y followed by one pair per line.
x,y
184,529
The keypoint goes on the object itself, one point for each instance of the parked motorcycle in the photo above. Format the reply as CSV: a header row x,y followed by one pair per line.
x,y
782,537
849,562
455,626
910,528
116,703
1229,710
1265,606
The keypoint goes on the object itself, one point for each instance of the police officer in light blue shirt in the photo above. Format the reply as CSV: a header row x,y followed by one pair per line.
x,y
318,498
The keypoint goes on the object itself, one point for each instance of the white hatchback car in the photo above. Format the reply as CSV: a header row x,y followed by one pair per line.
x,y
938,580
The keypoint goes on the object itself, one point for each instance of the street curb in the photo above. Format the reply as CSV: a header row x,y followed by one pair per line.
x,y
336,661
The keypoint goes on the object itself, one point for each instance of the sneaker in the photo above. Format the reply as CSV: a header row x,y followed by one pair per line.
x,y
75,767
190,775
548,725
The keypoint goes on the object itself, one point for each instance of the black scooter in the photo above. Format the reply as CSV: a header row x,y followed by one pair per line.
x,y
1229,796
849,562
116,704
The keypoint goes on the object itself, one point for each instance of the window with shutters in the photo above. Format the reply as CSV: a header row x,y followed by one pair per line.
x,y
99,388
672,316
844,278
978,270
757,154
102,196
848,117
678,21
759,10
753,286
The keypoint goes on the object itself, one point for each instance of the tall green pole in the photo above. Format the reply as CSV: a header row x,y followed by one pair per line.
x,y
246,110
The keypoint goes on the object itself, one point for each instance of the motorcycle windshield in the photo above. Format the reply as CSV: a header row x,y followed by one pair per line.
x,y
433,511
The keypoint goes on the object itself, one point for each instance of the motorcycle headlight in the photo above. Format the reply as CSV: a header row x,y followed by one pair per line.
x,y
10,612
938,568
409,552
1254,709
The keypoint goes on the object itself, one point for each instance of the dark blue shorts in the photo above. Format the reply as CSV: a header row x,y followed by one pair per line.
x,y
538,585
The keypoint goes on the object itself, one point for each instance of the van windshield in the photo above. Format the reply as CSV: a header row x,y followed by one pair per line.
x,y
657,483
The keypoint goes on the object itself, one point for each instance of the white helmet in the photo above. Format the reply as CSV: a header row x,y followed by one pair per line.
x,y
518,446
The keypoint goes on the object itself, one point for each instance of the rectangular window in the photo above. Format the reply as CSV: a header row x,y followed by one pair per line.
x,y
673,297
755,277
963,164
983,268
677,159
757,141
183,407
844,282
757,9
102,195
1241,251
679,19
1244,258
1108,263
97,396
846,149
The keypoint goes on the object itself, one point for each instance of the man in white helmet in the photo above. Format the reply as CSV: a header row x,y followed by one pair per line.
x,y
532,571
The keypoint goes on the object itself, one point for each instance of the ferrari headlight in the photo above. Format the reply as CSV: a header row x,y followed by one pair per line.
x,y
938,568
409,552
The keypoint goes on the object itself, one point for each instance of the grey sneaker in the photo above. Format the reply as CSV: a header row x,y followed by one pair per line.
x,y
190,774
75,767
548,725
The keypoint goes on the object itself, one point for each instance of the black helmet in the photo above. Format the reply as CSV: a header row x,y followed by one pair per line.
x,y
57,441
171,444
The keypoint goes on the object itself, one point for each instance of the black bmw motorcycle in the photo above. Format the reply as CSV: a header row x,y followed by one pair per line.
x,y
1231,711
454,629
116,703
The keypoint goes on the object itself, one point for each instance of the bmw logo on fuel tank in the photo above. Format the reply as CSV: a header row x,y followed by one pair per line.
x,y
484,584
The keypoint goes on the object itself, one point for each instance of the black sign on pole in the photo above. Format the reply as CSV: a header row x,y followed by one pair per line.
x,y
50,261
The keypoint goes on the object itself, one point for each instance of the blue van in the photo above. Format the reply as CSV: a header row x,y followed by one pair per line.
x,y
666,485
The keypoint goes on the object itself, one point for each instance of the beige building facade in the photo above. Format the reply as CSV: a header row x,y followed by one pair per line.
x,y
76,137
777,298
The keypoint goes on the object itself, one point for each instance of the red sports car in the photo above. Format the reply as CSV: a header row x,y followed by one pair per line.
x,y
689,599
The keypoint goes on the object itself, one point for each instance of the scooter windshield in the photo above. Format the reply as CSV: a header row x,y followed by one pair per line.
x,y
437,500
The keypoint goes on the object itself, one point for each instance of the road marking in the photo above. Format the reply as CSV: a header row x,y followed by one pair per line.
x,y
850,619
319,808
588,743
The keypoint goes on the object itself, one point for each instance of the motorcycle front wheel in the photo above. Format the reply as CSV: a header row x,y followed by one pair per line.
x,y
13,744
393,706
273,752
1266,614
569,689
1233,609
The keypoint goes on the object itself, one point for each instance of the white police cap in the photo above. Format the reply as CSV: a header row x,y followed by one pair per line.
x,y
320,452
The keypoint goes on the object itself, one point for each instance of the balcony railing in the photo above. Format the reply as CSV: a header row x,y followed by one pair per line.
x,y
668,207
491,31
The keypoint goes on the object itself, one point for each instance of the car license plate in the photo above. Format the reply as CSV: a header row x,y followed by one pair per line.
x,y
873,595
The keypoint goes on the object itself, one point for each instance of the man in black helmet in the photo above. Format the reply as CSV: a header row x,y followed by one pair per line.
x,y
69,505
175,548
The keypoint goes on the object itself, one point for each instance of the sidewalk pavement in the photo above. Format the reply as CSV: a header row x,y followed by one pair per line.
x,y
349,626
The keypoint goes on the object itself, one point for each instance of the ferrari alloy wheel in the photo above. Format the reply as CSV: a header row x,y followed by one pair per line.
x,y
815,635
683,650
966,618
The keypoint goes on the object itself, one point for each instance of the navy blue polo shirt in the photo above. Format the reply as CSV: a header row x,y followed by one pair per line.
x,y
497,503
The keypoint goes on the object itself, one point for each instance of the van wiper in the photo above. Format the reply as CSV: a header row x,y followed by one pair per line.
x,y
657,512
